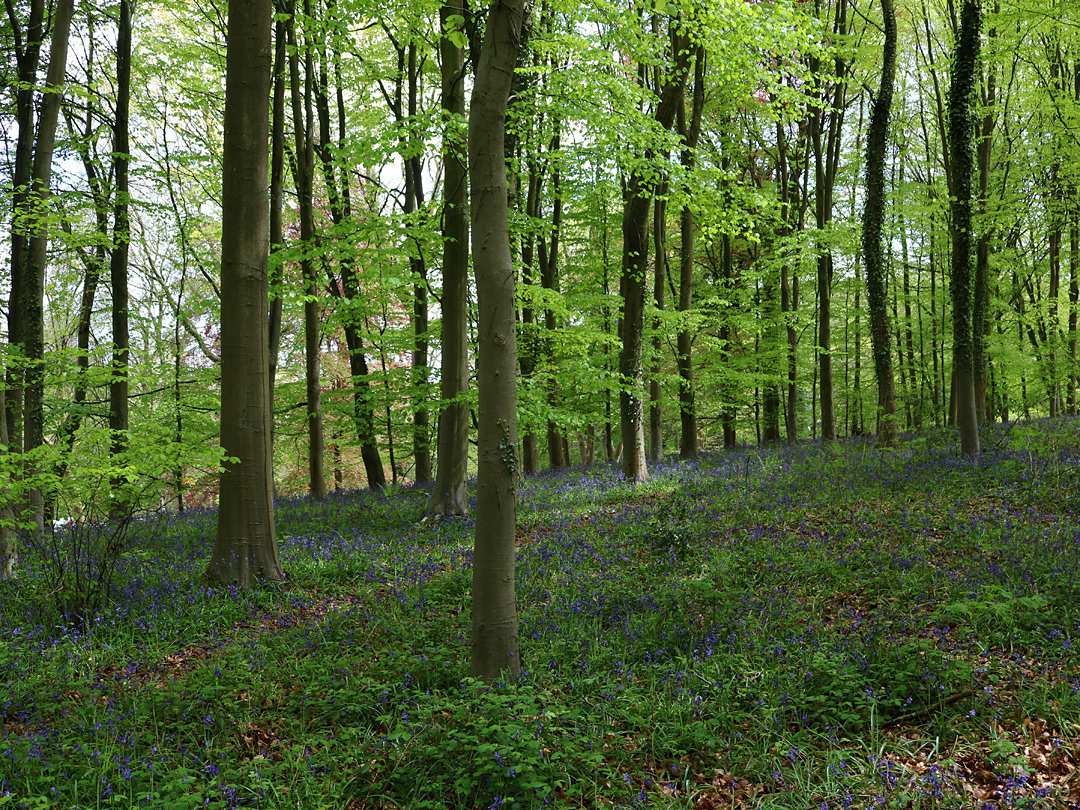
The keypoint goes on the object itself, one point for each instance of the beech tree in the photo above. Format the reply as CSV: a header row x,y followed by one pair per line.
x,y
245,548
494,617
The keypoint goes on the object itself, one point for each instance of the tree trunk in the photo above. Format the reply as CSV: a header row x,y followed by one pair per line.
x,y
826,163
656,425
873,226
245,549
981,304
344,284
529,346
118,386
494,619
789,302
549,279
93,265
414,200
9,552
688,429
277,184
448,495
28,56
960,147
1074,297
632,281
729,410
33,276
303,127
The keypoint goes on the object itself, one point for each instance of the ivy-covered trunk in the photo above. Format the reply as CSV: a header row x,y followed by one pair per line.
x,y
873,225
965,62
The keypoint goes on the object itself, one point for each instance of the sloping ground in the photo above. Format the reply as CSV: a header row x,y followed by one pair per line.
x,y
810,627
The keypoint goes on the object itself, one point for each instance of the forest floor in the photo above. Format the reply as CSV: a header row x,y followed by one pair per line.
x,y
807,627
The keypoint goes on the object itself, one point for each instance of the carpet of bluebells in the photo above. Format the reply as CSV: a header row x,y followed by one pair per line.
x,y
804,627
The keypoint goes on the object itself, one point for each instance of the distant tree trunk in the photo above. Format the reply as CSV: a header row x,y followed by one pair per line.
x,y
33,277
826,163
27,42
632,281
915,403
277,184
1074,298
656,425
789,301
610,453
1053,298
980,312
936,391
558,455
770,389
344,284
728,411
873,225
494,619
688,428
858,424
448,495
93,265
414,200
245,549
303,127
118,386
528,348
960,147
9,552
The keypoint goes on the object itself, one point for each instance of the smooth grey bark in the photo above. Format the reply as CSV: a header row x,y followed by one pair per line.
x,y
448,496
494,618
873,226
965,62
245,549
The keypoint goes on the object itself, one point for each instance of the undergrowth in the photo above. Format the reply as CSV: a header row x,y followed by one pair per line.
x,y
815,626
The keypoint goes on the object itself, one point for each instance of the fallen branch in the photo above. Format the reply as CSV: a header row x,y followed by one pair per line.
x,y
926,711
